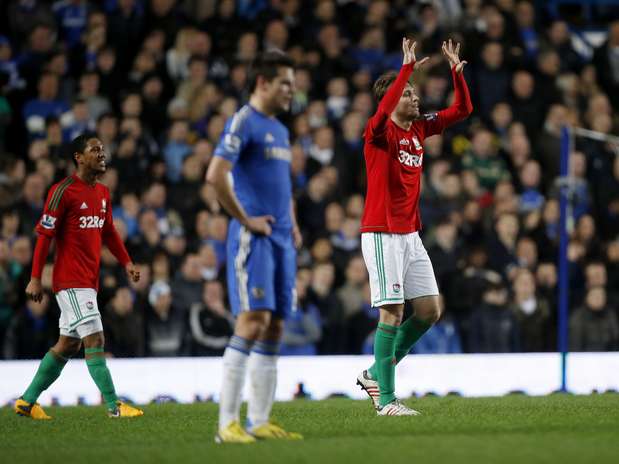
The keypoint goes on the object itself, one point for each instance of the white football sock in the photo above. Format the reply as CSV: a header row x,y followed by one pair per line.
x,y
234,364
263,382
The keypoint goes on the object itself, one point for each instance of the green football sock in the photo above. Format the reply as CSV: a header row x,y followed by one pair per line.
x,y
101,375
49,370
384,349
409,332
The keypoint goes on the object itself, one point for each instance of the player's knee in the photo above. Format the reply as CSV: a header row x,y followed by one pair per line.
x,y
96,340
253,326
434,313
391,314
67,348
430,311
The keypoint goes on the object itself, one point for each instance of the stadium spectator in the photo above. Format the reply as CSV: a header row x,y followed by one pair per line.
x,y
46,104
187,285
124,325
31,331
445,252
494,328
492,79
532,313
8,295
210,322
606,63
166,329
531,198
483,160
302,327
322,294
502,246
594,326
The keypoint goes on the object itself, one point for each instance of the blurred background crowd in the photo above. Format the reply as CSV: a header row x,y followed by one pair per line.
x,y
157,79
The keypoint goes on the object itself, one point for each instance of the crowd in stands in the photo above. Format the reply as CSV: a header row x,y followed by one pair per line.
x,y
156,81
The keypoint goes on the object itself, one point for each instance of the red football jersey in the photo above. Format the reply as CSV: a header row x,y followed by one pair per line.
x,y
394,157
79,217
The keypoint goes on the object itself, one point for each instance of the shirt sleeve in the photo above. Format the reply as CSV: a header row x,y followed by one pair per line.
x,y
39,257
54,210
235,137
377,124
435,123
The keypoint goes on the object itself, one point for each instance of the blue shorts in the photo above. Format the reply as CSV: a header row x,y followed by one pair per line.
x,y
261,271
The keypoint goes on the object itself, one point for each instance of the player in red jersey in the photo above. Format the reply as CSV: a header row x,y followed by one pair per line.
x,y
398,264
78,214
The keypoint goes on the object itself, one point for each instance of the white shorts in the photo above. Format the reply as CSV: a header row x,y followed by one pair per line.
x,y
79,312
399,267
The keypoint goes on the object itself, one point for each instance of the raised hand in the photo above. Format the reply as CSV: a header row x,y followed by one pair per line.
x,y
408,48
452,55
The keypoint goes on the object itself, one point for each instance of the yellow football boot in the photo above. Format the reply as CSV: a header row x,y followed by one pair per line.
x,y
33,411
124,410
234,433
269,431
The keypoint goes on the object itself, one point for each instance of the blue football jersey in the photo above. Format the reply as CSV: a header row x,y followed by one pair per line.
x,y
259,147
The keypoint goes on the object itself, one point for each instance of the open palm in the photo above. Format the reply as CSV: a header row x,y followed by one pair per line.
x,y
453,55
408,48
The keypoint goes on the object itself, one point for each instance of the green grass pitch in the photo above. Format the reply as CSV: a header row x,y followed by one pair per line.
x,y
514,429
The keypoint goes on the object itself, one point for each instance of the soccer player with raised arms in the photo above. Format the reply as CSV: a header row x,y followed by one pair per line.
x,y
78,215
261,255
398,264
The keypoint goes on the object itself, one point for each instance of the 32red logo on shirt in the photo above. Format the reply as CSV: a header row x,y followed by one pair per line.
x,y
410,160
91,222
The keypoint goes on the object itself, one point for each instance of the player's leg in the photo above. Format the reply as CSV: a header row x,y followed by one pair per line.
x,y
262,367
265,352
250,325
97,367
426,312
422,290
49,370
382,256
84,320
250,270
94,354
384,350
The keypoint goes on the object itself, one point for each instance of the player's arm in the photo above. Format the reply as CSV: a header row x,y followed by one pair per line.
x,y
462,106
233,141
296,232
218,175
378,123
34,289
46,228
112,240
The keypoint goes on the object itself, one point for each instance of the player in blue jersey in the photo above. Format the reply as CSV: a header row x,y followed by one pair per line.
x,y
262,237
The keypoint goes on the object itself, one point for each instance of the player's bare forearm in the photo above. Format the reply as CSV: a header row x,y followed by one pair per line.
x,y
296,232
217,176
